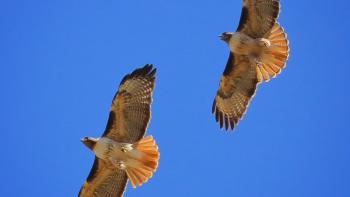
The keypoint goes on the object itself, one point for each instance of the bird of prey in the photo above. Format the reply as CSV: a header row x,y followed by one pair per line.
x,y
258,50
122,152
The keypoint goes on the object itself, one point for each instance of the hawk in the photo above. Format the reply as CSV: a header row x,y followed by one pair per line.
x,y
258,50
122,152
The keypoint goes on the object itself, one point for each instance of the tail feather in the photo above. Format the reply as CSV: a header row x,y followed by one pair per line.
x,y
134,180
145,163
143,173
274,58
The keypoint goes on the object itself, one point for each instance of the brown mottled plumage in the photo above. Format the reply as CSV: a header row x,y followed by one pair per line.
x,y
258,50
128,119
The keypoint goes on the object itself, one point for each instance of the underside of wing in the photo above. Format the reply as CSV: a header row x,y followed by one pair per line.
x,y
258,17
237,86
103,182
131,106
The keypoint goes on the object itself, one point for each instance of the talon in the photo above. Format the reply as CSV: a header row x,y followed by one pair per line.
x,y
117,163
257,61
264,42
121,165
125,148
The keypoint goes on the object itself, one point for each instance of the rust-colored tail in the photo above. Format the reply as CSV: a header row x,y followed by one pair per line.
x,y
274,57
146,158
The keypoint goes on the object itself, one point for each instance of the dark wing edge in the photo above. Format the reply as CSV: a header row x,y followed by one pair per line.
x,y
146,71
243,19
234,94
145,78
258,17
229,64
103,181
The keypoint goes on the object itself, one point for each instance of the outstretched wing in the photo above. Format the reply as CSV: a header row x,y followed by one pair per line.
x,y
258,17
131,106
128,119
237,86
103,182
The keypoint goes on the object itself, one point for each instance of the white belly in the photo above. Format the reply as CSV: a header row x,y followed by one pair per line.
x,y
111,151
242,44
102,147
107,148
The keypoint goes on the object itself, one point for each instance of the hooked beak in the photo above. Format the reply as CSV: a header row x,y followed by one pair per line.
x,y
225,37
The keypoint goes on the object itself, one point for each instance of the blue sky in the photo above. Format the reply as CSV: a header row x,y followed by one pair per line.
x,y
61,63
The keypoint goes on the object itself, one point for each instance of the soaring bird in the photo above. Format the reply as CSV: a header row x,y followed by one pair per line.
x,y
122,152
258,50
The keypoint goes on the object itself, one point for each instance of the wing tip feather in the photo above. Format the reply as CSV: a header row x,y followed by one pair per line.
x,y
145,71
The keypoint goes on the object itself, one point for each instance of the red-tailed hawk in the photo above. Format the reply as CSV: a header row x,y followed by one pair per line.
x,y
122,152
258,51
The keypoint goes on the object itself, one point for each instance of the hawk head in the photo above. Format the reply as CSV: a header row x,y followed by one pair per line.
x,y
226,36
90,142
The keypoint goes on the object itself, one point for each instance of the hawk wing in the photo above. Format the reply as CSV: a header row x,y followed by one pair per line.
x,y
103,182
258,17
131,106
128,119
237,86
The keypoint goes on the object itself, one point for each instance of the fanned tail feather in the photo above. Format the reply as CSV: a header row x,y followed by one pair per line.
x,y
147,162
274,57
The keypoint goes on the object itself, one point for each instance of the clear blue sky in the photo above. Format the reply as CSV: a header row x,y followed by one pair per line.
x,y
61,62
